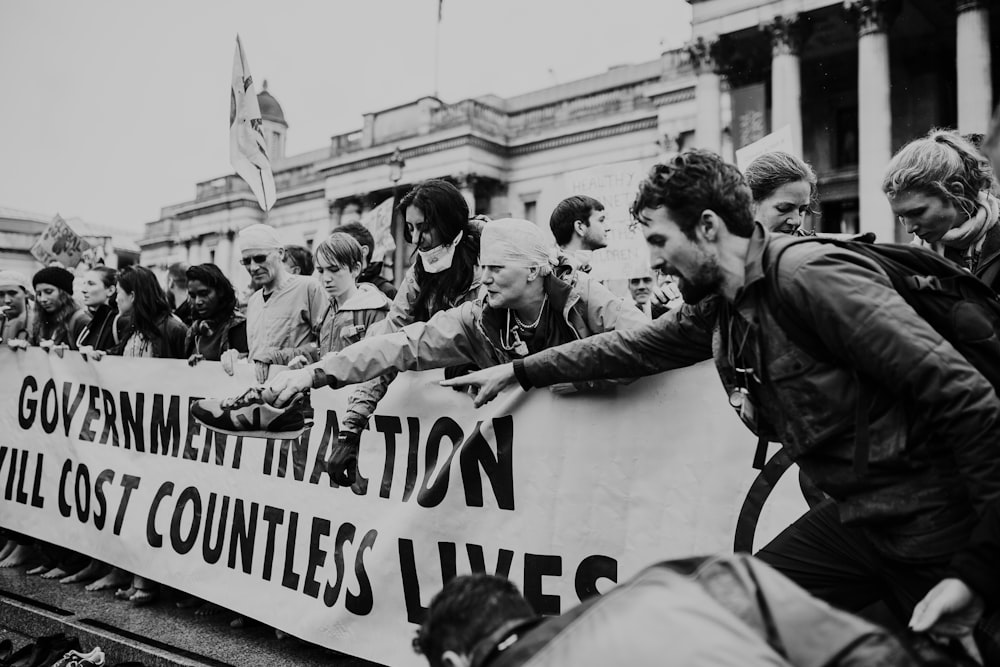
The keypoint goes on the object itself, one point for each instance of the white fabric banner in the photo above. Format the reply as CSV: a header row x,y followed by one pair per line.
x,y
563,494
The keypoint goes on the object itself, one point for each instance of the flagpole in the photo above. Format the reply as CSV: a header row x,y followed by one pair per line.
x,y
437,47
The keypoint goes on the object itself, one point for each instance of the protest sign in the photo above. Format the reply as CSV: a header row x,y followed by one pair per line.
x,y
378,221
614,185
780,140
59,243
565,495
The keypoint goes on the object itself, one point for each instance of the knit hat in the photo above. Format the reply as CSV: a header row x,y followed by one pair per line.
x,y
54,275
260,237
8,277
513,242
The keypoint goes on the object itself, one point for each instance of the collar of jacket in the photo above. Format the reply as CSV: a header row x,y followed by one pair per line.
x,y
562,298
754,271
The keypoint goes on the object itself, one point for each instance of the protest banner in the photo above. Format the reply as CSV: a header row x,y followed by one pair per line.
x,y
780,140
614,185
565,495
378,221
59,243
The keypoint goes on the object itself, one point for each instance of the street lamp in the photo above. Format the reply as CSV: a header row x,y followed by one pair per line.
x,y
396,164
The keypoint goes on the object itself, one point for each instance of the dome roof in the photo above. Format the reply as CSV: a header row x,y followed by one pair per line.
x,y
269,107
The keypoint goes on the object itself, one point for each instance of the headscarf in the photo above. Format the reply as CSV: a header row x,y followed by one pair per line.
x,y
513,242
260,237
8,277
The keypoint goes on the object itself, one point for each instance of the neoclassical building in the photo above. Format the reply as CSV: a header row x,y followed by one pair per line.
x,y
852,79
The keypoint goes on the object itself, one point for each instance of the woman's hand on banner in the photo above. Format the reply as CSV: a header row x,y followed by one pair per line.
x,y
484,384
285,385
261,369
90,354
229,359
194,359
17,344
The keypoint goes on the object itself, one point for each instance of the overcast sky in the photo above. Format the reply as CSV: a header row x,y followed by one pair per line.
x,y
113,109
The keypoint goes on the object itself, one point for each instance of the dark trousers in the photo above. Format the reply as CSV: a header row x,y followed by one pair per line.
x,y
839,565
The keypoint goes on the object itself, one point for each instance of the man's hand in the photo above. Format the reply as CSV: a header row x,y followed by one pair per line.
x,y
343,462
194,359
261,369
229,359
298,362
285,385
950,609
484,384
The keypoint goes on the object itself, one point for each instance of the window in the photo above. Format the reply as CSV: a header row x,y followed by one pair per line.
x,y
530,209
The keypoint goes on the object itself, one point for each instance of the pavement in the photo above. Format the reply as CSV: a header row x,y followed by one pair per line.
x,y
159,635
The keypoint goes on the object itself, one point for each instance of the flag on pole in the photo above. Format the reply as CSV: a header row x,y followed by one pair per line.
x,y
247,148
378,221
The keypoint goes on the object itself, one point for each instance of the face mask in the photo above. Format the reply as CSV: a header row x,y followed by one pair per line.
x,y
439,259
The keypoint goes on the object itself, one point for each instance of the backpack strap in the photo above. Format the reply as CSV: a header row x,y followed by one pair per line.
x,y
792,325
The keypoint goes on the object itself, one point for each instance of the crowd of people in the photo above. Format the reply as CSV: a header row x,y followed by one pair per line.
x,y
894,426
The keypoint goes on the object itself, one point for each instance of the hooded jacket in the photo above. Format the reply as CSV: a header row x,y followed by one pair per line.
x,y
934,419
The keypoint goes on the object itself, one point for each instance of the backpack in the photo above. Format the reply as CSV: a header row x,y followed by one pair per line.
x,y
959,306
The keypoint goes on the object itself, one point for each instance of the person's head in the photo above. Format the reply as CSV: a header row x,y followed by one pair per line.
x,y
14,292
641,288
211,294
177,277
579,221
53,289
467,610
688,209
783,189
263,254
364,237
298,260
140,296
435,214
338,264
98,287
515,256
933,183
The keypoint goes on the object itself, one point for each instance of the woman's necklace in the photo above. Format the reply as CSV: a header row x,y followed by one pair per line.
x,y
541,309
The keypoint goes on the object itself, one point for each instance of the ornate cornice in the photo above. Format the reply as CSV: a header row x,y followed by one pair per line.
x,y
703,55
872,16
787,34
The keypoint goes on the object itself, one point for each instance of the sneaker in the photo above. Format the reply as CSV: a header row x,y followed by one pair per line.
x,y
76,659
251,416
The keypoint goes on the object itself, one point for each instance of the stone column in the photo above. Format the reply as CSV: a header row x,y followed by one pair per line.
x,y
787,34
975,85
707,95
224,253
874,114
467,186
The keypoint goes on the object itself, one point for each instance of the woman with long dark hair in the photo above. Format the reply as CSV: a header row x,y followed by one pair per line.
x,y
59,318
153,331
99,286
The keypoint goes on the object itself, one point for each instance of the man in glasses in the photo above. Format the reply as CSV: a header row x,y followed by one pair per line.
x,y
285,310
893,423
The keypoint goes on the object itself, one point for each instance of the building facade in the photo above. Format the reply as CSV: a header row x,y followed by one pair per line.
x,y
853,80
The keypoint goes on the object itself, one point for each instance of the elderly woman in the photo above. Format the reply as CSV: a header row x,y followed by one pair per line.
x,y
526,309
941,189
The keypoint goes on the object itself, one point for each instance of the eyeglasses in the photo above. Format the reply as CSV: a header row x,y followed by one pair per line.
x,y
256,259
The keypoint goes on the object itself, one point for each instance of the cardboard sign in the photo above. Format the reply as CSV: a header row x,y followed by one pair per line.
x,y
59,243
781,140
378,221
614,185
561,494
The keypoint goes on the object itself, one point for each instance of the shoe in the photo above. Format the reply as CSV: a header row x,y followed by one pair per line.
x,y
249,415
76,659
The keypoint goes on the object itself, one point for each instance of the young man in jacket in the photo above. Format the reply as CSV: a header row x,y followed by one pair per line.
x,y
890,532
